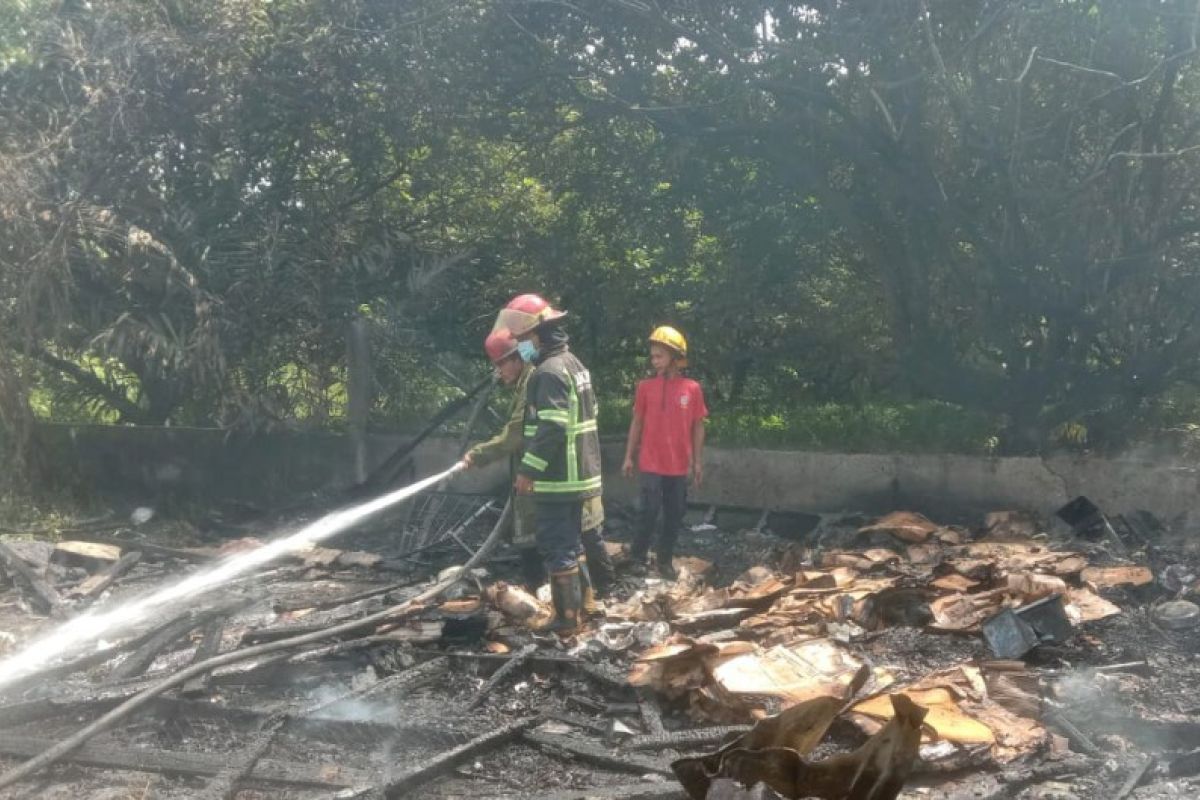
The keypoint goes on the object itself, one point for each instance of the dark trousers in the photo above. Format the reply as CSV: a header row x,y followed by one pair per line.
x,y
599,562
559,528
665,495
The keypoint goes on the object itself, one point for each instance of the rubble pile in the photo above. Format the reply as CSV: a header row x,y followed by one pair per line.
x,y
883,658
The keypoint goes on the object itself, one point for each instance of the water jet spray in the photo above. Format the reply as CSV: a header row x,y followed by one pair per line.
x,y
91,626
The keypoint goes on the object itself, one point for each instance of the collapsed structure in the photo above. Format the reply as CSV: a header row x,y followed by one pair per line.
x,y
851,660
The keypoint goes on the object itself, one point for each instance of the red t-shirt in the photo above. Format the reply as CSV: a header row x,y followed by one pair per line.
x,y
668,408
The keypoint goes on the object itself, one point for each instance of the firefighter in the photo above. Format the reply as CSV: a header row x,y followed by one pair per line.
x,y
560,468
501,349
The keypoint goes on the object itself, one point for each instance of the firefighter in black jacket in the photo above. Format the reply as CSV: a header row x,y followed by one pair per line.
x,y
561,464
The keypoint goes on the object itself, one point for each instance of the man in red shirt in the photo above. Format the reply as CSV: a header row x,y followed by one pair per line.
x,y
668,424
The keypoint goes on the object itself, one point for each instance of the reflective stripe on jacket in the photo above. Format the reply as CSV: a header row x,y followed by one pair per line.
x,y
562,445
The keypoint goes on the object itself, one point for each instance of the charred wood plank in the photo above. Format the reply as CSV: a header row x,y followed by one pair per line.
x,y
629,791
275,669
402,683
210,645
538,659
578,721
225,785
41,709
338,648
406,782
276,632
424,632
518,660
597,756
596,673
412,678
47,675
1135,778
616,709
45,596
327,729
175,763
95,586
53,673
684,740
651,716
1014,782
140,659
342,600
1078,738
152,552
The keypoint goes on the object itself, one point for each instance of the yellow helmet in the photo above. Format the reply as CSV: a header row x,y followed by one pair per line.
x,y
670,338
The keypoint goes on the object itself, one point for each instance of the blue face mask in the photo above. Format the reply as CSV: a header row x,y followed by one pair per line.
x,y
527,351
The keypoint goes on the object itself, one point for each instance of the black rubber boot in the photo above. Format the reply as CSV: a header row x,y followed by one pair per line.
x,y
566,589
666,566
533,569
600,565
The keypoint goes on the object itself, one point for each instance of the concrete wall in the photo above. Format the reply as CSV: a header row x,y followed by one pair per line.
x,y
196,465
165,464
802,481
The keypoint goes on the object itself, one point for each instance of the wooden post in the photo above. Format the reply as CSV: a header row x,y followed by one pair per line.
x,y
358,392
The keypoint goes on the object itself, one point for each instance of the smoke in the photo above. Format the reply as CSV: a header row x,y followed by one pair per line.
x,y
353,709
1092,700
89,627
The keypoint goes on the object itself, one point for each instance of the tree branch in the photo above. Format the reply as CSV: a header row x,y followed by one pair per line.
x,y
90,382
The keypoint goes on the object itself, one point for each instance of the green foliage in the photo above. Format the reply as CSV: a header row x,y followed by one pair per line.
x,y
918,225
922,427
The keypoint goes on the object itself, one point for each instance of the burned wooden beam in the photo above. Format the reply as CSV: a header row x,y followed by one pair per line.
x,y
1135,778
47,675
597,756
1078,738
541,659
629,791
140,659
407,781
95,586
578,721
600,675
342,600
518,660
1012,783
274,633
45,595
684,740
338,648
169,762
44,708
651,716
210,645
225,785
319,728
1184,766
150,551
402,682
601,707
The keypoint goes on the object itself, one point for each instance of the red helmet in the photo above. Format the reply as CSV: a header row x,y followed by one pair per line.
x,y
499,345
526,312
